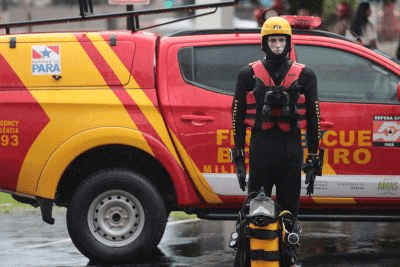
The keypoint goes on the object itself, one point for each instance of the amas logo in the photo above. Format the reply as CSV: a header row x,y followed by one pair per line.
x,y
388,187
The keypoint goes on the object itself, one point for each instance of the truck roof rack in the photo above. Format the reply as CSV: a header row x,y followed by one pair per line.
x,y
216,31
256,30
86,13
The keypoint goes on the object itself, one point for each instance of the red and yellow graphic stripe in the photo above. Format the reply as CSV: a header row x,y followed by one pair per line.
x,y
20,107
198,178
139,106
103,110
154,122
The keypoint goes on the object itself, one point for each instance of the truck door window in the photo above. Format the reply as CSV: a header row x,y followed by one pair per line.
x,y
216,68
343,76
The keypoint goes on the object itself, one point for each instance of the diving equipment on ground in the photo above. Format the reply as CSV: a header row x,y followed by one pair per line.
x,y
265,235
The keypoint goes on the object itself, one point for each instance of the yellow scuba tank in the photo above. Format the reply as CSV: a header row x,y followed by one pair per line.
x,y
265,250
262,237
263,232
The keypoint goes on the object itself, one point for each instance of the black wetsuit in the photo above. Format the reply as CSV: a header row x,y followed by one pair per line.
x,y
276,156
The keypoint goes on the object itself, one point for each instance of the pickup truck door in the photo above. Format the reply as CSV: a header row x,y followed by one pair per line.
x,y
201,79
357,92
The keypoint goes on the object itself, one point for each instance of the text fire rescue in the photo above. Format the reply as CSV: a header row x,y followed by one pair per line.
x,y
337,148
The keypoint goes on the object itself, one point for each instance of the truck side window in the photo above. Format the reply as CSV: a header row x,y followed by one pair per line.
x,y
216,68
346,77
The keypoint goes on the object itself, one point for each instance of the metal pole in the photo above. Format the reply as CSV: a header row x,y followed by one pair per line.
x,y
114,15
29,14
130,23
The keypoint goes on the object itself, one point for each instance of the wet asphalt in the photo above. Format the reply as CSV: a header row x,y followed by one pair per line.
x,y
25,240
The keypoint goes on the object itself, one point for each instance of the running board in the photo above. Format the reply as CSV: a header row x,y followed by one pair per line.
x,y
350,217
228,216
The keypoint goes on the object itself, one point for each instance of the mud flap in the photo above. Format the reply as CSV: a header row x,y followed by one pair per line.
x,y
46,207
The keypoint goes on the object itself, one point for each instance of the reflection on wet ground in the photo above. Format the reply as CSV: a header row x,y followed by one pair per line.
x,y
27,241
364,244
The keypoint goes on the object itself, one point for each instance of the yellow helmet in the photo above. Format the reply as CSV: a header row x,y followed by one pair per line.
x,y
276,25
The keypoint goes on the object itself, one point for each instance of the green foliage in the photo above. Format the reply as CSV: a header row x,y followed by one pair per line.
x,y
7,203
181,215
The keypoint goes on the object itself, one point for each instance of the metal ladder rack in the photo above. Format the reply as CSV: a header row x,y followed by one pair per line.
x,y
86,13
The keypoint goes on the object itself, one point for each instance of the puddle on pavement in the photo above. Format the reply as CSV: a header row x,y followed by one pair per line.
x,y
344,244
201,243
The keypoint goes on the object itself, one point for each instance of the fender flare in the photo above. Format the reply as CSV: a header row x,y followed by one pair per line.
x,y
69,150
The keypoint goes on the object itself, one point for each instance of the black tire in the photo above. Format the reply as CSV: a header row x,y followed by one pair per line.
x,y
115,216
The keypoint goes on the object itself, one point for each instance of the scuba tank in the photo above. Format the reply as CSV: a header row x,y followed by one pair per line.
x,y
265,236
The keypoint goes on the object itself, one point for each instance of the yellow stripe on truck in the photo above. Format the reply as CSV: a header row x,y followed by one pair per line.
x,y
102,109
80,143
145,105
334,200
112,59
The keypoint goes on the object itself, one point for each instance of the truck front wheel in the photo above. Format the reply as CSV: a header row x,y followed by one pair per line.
x,y
116,215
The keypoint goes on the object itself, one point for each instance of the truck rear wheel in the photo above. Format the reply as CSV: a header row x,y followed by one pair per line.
x,y
116,215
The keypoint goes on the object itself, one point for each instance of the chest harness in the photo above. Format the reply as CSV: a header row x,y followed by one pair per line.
x,y
269,104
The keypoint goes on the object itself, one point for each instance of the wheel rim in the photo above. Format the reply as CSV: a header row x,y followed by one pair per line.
x,y
116,218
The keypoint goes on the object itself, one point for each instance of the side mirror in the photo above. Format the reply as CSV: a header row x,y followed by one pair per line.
x,y
398,92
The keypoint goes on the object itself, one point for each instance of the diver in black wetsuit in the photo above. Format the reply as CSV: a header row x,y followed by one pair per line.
x,y
277,98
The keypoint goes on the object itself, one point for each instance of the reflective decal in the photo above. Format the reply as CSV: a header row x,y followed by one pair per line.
x,y
340,186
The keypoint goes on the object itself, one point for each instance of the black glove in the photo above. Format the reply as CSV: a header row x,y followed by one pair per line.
x,y
241,172
237,157
311,168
